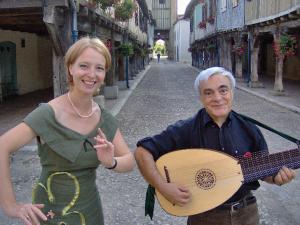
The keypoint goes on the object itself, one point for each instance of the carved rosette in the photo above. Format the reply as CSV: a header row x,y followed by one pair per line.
x,y
205,179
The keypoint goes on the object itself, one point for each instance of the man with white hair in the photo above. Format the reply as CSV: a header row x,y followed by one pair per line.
x,y
216,127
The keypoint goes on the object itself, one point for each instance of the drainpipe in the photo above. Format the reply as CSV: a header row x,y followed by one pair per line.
x,y
74,20
249,57
218,51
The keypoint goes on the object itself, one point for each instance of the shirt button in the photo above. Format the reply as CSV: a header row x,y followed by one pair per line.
x,y
223,149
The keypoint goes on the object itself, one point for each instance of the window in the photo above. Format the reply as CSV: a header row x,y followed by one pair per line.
x,y
223,5
162,1
235,3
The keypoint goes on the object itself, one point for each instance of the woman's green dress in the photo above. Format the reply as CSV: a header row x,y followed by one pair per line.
x,y
67,183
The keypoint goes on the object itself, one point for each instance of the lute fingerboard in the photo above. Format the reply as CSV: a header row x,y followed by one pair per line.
x,y
261,165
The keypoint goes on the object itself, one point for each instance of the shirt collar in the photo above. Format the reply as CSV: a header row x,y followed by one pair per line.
x,y
208,120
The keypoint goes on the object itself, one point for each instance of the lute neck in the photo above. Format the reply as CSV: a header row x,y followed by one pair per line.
x,y
262,165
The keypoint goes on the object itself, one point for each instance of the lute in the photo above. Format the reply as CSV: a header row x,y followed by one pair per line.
x,y
213,177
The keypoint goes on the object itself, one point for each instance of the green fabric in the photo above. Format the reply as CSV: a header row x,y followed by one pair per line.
x,y
69,162
150,201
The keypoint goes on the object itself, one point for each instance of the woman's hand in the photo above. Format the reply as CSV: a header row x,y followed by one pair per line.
x,y
105,150
30,214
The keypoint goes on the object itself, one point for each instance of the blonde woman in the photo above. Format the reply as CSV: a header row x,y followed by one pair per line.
x,y
74,136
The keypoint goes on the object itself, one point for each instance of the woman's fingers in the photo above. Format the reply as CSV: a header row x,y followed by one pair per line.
x,y
100,146
101,134
99,139
26,219
38,212
33,217
31,214
105,144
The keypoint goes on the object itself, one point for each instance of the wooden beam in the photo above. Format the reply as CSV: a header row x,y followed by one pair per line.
x,y
22,20
60,36
34,29
10,4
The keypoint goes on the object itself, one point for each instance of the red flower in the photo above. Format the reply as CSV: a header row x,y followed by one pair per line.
x,y
285,46
202,25
248,155
239,49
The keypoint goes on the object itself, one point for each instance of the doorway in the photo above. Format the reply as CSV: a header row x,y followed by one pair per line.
x,y
8,71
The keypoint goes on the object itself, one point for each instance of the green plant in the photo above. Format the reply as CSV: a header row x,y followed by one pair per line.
x,y
126,49
144,52
104,4
211,47
125,10
285,46
137,49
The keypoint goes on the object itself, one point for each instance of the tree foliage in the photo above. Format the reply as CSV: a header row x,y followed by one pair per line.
x,y
124,11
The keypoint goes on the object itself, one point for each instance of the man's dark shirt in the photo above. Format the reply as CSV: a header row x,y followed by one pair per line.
x,y
235,137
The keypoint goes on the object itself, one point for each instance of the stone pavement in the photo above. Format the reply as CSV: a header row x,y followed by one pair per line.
x,y
290,98
164,95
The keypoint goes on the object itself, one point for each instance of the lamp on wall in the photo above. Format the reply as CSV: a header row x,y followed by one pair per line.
x,y
23,42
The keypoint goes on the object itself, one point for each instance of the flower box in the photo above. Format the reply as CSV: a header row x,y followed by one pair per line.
x,y
202,25
239,50
211,20
285,46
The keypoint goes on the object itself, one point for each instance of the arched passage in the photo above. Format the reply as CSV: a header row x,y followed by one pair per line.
x,y
8,71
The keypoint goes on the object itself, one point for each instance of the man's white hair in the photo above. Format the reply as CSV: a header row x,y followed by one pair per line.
x,y
205,74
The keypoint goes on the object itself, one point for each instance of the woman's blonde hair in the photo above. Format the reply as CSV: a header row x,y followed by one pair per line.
x,y
79,46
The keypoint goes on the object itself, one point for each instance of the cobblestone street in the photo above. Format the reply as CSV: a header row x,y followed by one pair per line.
x,y
165,95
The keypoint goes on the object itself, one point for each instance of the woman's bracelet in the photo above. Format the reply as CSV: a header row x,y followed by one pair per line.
x,y
113,166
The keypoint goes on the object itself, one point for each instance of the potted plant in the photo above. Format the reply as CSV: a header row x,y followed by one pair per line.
x,y
239,49
124,11
285,46
202,25
104,4
126,49
211,47
211,19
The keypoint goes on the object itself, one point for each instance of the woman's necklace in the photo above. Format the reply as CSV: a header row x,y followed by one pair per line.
x,y
76,110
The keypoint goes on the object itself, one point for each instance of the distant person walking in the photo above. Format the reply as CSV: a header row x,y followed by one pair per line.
x,y
158,57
